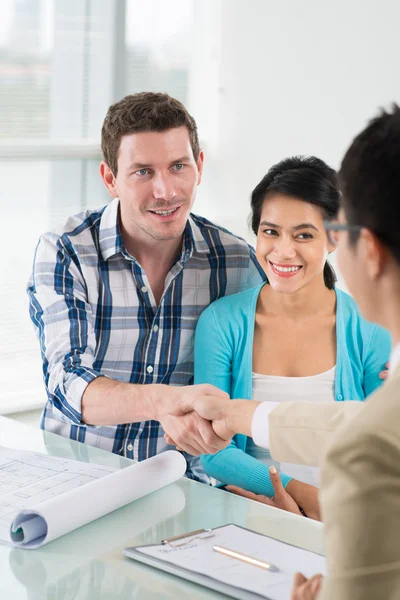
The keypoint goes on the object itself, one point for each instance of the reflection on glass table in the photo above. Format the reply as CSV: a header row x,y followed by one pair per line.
x,y
88,563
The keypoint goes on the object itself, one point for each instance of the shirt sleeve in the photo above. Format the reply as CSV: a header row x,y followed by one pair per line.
x,y
260,423
213,364
65,324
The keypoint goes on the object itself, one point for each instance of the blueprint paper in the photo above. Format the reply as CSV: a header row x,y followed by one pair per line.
x,y
43,498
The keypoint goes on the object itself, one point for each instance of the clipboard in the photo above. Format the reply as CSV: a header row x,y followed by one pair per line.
x,y
191,556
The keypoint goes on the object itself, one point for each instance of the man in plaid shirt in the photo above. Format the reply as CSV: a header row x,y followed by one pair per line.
x,y
115,294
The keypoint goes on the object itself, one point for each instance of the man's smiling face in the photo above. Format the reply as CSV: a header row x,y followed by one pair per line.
x,y
156,183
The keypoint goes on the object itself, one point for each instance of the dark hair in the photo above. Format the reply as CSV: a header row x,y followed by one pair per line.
x,y
370,180
146,111
304,177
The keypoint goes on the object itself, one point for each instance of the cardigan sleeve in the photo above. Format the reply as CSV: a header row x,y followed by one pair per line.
x,y
213,355
377,356
233,466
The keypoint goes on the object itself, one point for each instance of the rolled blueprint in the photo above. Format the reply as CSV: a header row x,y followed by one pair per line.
x,y
36,526
45,575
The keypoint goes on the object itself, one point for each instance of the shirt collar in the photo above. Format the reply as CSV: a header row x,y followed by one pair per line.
x,y
111,241
198,240
394,359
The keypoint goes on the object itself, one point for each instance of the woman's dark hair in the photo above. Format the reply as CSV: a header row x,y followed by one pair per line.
x,y
305,178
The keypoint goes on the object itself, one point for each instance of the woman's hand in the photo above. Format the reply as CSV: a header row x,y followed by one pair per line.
x,y
305,496
281,500
305,589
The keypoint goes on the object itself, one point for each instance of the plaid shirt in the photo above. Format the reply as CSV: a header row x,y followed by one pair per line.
x,y
95,315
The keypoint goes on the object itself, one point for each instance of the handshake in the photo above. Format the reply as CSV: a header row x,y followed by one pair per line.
x,y
201,419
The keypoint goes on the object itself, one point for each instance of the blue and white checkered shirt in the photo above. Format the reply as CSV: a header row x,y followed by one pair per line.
x,y
95,316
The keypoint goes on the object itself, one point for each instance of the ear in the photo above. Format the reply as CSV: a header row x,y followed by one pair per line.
x,y
331,248
200,165
109,179
373,253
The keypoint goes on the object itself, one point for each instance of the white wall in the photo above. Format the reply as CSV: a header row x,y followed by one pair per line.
x,y
279,78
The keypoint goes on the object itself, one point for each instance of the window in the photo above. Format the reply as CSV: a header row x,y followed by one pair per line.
x,y
158,42
62,63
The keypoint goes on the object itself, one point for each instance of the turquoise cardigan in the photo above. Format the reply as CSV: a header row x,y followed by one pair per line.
x,y
223,356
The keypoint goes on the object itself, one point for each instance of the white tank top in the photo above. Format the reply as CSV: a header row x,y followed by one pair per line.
x,y
316,388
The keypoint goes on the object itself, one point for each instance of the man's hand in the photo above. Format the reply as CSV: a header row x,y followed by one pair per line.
x,y
211,404
192,434
385,373
305,589
228,418
217,411
281,500
183,426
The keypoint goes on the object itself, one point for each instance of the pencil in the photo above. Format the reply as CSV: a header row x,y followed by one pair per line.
x,y
247,559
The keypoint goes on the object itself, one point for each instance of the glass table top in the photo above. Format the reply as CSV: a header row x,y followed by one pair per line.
x,y
88,563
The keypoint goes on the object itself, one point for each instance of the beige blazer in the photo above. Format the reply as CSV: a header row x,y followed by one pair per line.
x,y
300,432
360,486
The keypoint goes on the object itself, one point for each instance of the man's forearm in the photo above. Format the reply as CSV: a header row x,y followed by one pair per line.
x,y
109,402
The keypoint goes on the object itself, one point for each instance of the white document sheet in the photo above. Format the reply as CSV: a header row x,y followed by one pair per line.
x,y
42,497
198,556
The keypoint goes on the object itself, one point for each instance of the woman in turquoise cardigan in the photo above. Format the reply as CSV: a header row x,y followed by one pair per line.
x,y
295,337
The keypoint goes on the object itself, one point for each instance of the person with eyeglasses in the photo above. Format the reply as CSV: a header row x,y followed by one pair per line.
x,y
296,337
358,443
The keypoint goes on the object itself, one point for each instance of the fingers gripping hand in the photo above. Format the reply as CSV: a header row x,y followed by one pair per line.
x,y
184,427
213,442
183,433
201,398
188,430
222,429
192,434
170,441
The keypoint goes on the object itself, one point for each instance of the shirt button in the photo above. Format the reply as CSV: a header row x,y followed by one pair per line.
x,y
149,369
339,397
155,328
144,289
130,447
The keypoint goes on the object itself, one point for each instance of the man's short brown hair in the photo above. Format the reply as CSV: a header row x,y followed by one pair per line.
x,y
146,111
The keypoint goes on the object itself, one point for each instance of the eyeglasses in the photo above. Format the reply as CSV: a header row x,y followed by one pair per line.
x,y
333,227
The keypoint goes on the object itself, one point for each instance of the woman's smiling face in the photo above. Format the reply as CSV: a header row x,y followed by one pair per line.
x,y
292,245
